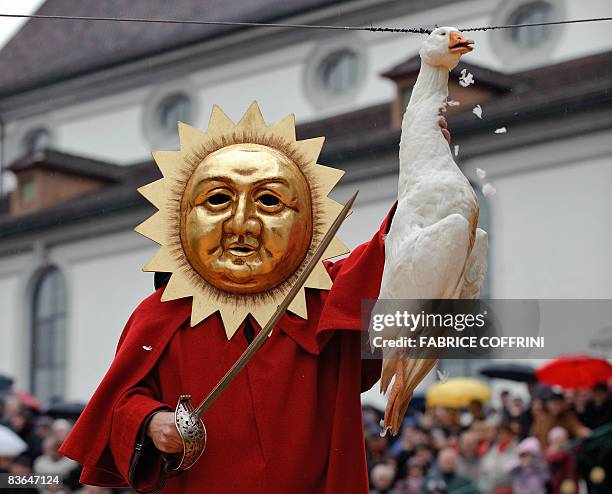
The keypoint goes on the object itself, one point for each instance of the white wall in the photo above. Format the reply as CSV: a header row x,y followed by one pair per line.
x,y
105,284
16,273
10,325
550,223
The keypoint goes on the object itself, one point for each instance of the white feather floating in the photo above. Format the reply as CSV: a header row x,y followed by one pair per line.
x,y
452,102
501,130
477,110
488,190
480,173
466,78
442,375
456,149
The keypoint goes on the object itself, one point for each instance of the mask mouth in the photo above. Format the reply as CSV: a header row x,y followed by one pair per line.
x,y
241,250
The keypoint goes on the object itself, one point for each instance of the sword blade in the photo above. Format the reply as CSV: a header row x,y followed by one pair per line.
x,y
262,336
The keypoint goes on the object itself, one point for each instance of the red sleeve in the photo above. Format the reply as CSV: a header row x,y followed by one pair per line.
x,y
357,278
129,414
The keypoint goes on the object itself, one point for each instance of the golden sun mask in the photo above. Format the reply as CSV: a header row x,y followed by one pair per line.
x,y
241,208
246,218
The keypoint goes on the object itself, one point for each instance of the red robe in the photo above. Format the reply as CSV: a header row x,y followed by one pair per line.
x,y
290,422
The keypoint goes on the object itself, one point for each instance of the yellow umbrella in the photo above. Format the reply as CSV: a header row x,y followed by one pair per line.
x,y
457,393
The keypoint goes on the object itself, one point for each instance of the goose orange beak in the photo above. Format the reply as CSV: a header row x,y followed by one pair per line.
x,y
460,43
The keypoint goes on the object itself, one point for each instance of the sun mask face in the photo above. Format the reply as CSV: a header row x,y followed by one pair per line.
x,y
241,209
246,218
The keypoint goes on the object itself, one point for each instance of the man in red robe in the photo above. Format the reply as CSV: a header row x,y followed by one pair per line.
x,y
290,422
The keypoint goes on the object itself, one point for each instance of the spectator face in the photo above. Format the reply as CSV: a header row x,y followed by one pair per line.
x,y
11,407
421,437
468,443
555,406
376,444
416,472
447,460
439,440
537,407
51,447
5,463
408,434
516,427
504,397
557,437
582,398
370,417
440,416
504,435
60,429
600,394
382,477
475,408
517,407
18,421
489,432
423,454
525,459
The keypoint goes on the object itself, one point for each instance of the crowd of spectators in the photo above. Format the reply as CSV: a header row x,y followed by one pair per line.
x,y
517,448
43,436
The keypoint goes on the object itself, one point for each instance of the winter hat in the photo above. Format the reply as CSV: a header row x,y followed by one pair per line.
x,y
530,446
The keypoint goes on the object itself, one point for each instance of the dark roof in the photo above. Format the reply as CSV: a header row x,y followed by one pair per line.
x,y
574,72
107,200
487,77
46,51
5,205
71,164
340,126
556,91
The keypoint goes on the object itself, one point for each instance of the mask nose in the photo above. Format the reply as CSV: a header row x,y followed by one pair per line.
x,y
243,221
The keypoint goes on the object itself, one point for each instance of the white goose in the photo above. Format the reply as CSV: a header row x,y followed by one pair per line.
x,y
433,249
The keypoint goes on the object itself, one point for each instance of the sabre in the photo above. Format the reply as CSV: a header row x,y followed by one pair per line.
x,y
188,420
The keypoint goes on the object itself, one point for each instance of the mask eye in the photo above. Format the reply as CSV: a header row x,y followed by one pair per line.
x,y
218,199
269,203
268,200
443,34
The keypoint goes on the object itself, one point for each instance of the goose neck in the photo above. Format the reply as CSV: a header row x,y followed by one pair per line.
x,y
431,81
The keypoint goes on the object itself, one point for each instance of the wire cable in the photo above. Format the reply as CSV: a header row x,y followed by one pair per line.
x,y
414,30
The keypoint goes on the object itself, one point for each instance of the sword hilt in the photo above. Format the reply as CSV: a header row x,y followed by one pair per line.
x,y
193,434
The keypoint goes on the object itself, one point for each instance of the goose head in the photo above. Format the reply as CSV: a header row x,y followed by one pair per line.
x,y
444,47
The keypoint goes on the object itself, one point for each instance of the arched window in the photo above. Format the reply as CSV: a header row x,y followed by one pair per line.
x,y
36,139
48,336
530,13
172,109
339,72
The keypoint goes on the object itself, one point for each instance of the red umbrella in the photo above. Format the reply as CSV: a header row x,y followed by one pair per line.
x,y
575,372
28,400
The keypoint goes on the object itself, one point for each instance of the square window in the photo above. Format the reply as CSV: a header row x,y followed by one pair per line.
x,y
27,190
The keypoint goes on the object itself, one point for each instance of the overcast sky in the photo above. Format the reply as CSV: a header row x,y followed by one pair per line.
x,y
9,26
